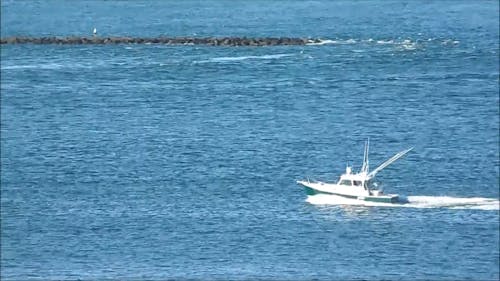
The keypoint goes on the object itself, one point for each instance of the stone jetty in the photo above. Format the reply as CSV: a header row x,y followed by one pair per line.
x,y
211,41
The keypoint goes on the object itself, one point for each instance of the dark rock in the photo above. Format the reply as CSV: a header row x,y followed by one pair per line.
x,y
225,41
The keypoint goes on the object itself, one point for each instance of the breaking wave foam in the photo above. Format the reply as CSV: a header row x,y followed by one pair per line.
x,y
323,42
477,203
402,44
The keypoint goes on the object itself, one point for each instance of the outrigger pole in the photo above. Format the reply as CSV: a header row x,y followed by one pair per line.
x,y
388,162
365,167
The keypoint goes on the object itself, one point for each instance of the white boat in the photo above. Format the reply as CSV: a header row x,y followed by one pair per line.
x,y
357,186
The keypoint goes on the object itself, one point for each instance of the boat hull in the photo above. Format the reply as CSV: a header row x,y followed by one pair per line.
x,y
392,198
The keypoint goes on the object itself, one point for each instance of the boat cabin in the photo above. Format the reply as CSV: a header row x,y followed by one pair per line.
x,y
356,180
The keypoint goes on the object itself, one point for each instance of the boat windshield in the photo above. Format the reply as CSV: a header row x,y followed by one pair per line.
x,y
357,183
345,182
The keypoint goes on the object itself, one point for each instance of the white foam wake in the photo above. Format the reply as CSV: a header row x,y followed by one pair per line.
x,y
478,203
241,58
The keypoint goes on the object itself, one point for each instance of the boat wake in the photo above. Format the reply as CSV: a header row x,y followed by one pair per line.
x,y
477,203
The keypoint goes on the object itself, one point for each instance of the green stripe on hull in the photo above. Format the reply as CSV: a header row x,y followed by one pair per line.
x,y
312,191
393,199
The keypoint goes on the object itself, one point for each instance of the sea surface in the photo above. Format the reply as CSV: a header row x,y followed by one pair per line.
x,y
131,162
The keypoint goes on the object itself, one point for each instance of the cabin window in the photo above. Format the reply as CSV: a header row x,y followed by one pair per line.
x,y
345,182
357,183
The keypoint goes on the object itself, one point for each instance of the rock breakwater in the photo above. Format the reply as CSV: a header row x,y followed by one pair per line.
x,y
212,41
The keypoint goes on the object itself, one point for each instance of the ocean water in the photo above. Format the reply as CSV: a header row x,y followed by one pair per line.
x,y
151,162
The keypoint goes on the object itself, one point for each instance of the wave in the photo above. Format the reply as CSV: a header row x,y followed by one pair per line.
x,y
477,203
53,66
33,66
242,58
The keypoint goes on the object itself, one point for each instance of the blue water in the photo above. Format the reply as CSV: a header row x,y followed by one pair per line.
x,y
154,162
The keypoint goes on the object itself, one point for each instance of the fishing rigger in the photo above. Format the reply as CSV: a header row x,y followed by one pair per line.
x,y
212,41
